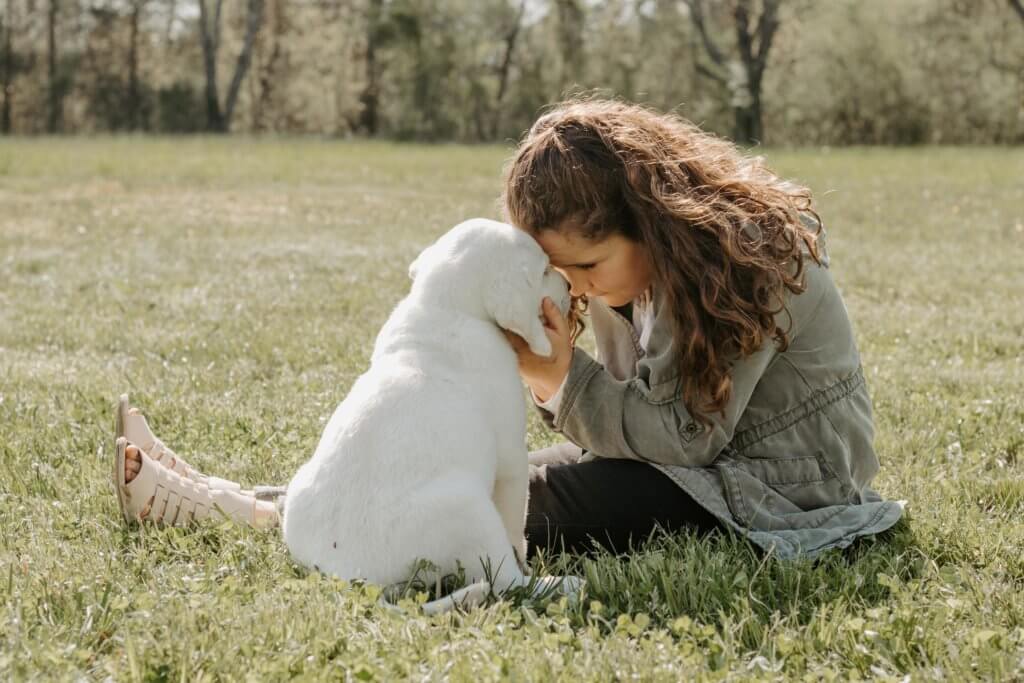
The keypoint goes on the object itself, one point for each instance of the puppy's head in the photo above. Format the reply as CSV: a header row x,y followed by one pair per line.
x,y
495,271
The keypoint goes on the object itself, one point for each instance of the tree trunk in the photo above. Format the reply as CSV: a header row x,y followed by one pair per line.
x,y
7,75
209,36
218,120
369,99
133,104
753,61
505,67
265,71
748,126
570,36
741,77
54,95
254,19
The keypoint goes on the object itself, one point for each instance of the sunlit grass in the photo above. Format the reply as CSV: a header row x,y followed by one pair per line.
x,y
235,288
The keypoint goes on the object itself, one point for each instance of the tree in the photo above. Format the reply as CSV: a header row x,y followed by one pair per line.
x,y
509,44
742,76
218,120
571,20
133,96
7,66
1018,6
369,99
266,76
54,99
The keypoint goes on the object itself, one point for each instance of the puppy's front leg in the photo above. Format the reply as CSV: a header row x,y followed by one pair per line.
x,y
510,495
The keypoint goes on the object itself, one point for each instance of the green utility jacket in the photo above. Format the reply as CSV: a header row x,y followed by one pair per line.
x,y
789,463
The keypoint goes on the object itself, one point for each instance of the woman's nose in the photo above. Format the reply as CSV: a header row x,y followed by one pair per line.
x,y
577,285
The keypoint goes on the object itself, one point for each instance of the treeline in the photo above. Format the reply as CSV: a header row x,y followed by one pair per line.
x,y
784,72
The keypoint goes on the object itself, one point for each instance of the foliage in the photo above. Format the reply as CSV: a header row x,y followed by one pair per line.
x,y
839,72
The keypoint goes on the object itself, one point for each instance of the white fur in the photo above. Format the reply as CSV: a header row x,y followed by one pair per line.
x,y
426,457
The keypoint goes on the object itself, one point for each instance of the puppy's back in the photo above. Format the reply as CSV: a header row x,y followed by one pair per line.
x,y
359,505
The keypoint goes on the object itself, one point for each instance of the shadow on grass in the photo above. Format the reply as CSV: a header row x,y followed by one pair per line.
x,y
711,578
708,578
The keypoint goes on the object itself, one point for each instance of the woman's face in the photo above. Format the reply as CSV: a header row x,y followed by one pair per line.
x,y
615,269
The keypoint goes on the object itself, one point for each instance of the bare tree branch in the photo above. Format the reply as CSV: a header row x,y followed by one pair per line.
x,y
1017,5
506,64
708,73
697,16
741,15
766,29
254,19
216,25
216,119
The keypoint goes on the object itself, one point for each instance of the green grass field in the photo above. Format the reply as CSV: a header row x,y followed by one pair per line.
x,y
235,289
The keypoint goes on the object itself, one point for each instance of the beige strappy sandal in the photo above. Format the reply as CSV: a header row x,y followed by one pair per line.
x,y
178,500
135,429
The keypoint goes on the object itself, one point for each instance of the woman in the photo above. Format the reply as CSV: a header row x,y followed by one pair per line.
x,y
728,391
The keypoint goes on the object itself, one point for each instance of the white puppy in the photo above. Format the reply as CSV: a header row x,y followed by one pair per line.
x,y
426,457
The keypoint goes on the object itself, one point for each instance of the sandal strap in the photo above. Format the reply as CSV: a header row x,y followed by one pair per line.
x,y
138,432
178,500
185,500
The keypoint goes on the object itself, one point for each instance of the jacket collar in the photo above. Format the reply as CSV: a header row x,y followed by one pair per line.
x,y
619,350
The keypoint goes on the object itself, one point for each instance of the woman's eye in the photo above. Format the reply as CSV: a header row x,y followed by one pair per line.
x,y
586,266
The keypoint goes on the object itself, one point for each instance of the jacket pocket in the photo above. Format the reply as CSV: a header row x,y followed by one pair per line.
x,y
781,493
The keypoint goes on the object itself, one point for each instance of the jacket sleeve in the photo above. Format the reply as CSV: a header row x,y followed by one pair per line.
x,y
618,419
550,405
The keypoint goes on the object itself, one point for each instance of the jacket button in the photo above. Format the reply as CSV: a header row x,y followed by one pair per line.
x,y
691,428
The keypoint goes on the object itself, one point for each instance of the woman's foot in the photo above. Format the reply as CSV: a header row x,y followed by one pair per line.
x,y
132,465
132,425
149,492
132,462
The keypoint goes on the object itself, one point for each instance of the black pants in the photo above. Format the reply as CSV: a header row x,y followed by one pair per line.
x,y
607,502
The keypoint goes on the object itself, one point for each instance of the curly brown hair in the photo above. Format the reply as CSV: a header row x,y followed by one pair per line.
x,y
725,234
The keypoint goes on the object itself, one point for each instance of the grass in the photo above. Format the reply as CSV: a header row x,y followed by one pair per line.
x,y
235,288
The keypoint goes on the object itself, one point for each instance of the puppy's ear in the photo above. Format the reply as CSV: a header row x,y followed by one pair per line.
x,y
515,301
537,338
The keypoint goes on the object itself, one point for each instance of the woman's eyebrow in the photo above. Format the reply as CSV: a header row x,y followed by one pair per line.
x,y
586,262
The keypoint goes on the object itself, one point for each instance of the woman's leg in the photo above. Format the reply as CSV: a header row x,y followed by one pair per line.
x,y
240,505
608,502
230,495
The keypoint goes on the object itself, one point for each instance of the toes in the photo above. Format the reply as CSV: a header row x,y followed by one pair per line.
x,y
132,463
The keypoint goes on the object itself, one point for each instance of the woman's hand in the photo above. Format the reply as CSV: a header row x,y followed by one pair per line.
x,y
545,375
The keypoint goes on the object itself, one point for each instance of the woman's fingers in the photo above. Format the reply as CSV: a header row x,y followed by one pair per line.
x,y
514,339
553,316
